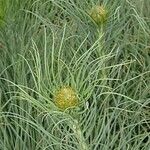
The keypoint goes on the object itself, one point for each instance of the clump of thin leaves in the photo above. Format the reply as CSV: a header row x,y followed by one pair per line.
x,y
46,45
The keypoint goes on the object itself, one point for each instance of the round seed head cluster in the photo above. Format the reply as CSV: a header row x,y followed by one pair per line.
x,y
66,97
99,14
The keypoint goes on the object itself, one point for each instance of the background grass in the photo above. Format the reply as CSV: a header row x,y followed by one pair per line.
x,y
47,44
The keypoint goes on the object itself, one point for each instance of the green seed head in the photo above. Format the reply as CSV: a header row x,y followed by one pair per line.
x,y
99,14
65,98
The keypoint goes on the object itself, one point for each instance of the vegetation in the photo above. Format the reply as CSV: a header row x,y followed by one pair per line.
x,y
48,45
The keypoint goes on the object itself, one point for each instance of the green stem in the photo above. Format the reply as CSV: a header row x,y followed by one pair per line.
x,y
101,49
79,135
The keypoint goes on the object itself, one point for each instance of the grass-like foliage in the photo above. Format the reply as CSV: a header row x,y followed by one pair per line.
x,y
46,45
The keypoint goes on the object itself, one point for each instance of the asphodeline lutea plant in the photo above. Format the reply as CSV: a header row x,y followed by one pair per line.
x,y
65,98
99,14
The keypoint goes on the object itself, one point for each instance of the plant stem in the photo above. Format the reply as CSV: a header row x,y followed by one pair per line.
x,y
79,135
101,49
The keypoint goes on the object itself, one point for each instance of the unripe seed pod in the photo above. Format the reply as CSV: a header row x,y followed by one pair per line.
x,y
99,14
65,98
